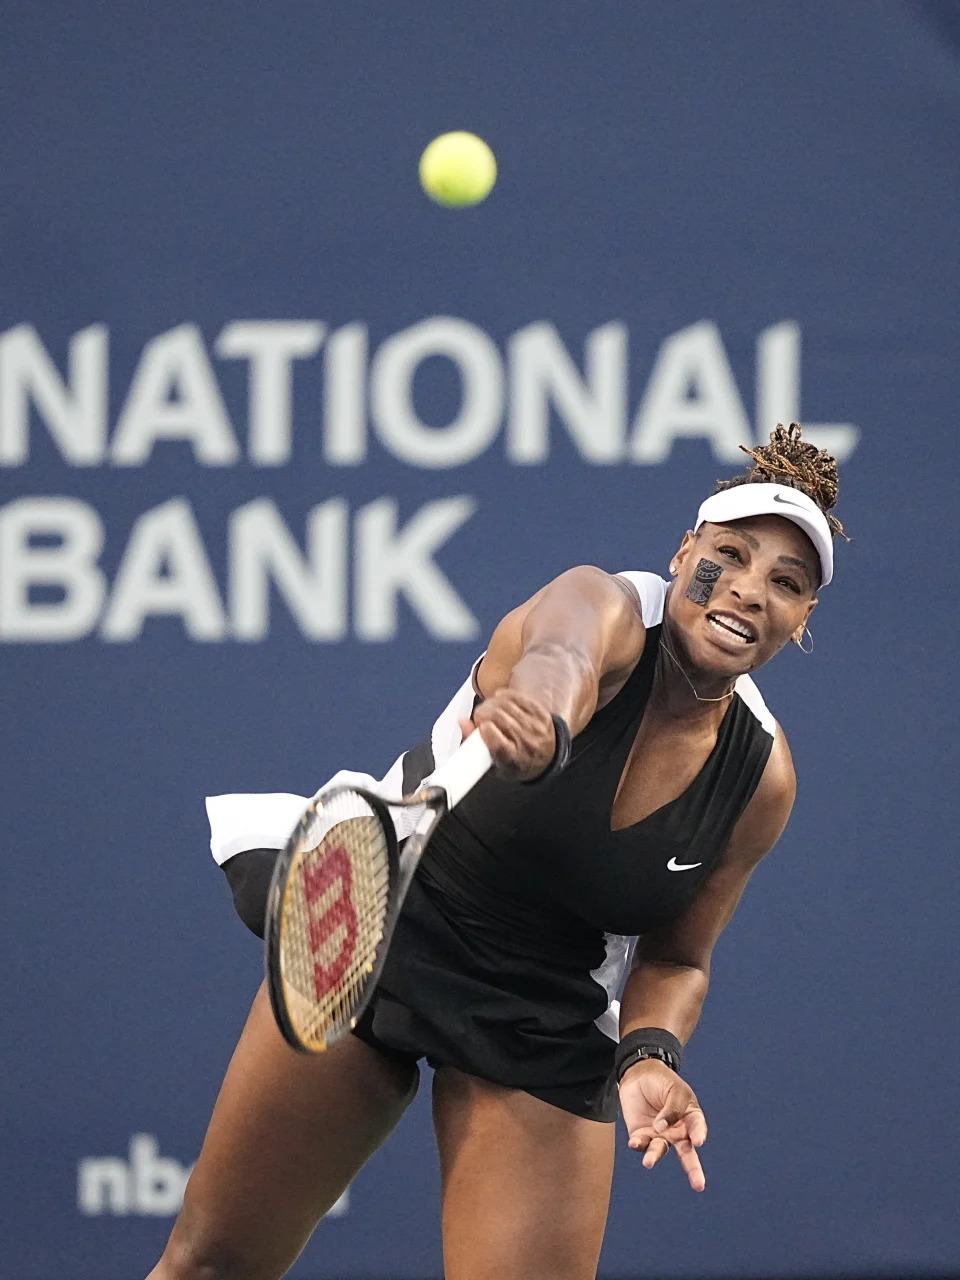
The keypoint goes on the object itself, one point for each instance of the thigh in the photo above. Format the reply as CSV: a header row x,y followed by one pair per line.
x,y
288,1133
526,1186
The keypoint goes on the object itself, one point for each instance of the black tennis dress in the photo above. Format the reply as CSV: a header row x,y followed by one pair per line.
x,y
515,937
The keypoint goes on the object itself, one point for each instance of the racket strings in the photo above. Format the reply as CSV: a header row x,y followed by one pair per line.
x,y
334,912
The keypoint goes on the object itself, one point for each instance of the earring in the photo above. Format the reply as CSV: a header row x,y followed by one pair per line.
x,y
673,571
799,642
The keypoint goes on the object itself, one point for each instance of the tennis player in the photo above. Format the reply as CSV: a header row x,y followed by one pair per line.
x,y
517,932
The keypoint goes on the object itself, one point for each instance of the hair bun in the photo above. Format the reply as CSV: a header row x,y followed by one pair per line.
x,y
790,460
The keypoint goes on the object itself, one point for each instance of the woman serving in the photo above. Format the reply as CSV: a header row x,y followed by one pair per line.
x,y
516,933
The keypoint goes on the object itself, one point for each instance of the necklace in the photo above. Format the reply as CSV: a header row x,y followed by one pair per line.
x,y
676,662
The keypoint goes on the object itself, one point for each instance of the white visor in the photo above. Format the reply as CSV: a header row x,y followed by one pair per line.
x,y
773,500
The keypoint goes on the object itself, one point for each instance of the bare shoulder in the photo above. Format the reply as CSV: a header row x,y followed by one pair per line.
x,y
762,822
596,584
584,585
629,591
584,609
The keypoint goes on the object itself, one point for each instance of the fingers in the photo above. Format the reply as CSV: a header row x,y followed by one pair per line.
x,y
505,744
518,731
678,1103
519,717
681,1110
684,1136
691,1165
657,1146
643,1138
692,1126
696,1123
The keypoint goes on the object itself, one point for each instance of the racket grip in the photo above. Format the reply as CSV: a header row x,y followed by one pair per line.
x,y
464,769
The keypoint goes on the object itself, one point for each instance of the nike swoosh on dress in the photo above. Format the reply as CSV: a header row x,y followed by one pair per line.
x,y
674,865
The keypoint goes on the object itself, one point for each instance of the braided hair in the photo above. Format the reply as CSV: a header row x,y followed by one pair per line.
x,y
788,460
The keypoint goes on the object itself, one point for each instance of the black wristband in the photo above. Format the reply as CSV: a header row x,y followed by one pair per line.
x,y
648,1042
561,752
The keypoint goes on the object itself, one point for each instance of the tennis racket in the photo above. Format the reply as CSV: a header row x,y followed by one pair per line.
x,y
336,892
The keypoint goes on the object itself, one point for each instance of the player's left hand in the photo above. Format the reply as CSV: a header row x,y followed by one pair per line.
x,y
661,1111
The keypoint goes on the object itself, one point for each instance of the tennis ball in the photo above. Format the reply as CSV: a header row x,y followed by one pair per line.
x,y
457,170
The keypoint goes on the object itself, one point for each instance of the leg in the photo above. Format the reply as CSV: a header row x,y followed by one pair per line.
x,y
526,1186
287,1135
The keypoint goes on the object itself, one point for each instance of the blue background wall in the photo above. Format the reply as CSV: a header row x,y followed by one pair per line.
x,y
662,166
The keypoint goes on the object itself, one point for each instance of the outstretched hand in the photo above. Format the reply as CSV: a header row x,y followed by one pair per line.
x,y
519,732
661,1111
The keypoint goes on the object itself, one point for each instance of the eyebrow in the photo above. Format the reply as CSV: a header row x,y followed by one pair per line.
x,y
797,563
794,561
741,533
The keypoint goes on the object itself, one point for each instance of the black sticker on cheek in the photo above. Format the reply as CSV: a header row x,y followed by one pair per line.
x,y
704,579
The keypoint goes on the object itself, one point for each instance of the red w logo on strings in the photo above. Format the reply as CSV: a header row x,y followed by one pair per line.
x,y
323,924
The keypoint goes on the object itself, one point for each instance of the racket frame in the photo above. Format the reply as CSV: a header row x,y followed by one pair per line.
x,y
443,789
402,866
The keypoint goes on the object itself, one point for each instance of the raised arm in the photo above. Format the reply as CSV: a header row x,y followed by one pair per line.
x,y
564,652
671,972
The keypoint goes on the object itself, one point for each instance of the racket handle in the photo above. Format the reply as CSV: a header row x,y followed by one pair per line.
x,y
464,769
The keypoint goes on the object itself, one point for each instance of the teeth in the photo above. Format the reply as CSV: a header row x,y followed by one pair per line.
x,y
731,627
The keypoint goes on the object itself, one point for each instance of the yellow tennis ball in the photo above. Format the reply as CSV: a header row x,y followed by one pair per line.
x,y
458,169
